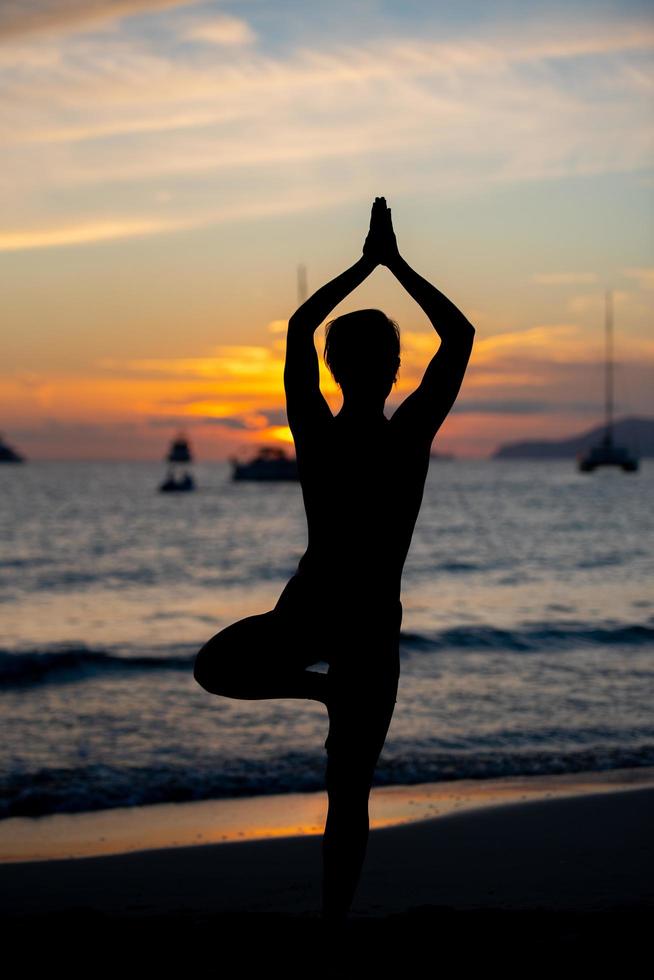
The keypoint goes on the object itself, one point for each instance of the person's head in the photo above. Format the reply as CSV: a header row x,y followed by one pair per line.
x,y
362,351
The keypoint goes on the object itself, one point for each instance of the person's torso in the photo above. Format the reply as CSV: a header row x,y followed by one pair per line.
x,y
362,490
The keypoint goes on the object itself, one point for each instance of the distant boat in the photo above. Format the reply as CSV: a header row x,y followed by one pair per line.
x,y
270,463
9,455
606,453
178,478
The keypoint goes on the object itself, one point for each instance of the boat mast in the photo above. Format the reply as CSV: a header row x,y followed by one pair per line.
x,y
608,435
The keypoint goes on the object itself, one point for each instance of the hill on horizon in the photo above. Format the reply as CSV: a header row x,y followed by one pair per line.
x,y
633,433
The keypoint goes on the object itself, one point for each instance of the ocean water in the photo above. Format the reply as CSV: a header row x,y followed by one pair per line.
x,y
527,638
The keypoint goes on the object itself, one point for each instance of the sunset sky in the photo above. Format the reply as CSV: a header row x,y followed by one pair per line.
x,y
166,166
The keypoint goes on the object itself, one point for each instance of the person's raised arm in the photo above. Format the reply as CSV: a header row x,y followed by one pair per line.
x,y
313,311
301,370
427,407
447,320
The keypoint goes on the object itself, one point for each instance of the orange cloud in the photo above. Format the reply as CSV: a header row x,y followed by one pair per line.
x,y
97,231
36,16
235,394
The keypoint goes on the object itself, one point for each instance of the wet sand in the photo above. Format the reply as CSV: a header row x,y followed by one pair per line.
x,y
565,879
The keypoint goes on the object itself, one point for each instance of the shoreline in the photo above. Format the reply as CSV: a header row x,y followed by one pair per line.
x,y
561,880
130,830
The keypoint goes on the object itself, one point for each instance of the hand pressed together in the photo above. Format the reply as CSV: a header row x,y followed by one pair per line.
x,y
381,245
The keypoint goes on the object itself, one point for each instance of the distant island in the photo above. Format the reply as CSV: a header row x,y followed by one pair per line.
x,y
434,455
9,455
635,433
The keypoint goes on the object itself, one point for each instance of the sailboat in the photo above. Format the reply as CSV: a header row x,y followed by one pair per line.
x,y
178,478
606,453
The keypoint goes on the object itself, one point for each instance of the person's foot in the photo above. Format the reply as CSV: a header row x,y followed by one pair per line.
x,y
337,926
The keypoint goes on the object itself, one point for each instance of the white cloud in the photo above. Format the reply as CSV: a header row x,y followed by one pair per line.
x,y
594,303
224,30
415,114
563,278
644,277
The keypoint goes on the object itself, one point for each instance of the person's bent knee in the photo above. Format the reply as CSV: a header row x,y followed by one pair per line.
x,y
208,671
200,671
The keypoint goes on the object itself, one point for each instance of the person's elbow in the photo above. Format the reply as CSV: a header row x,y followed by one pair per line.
x,y
297,321
463,335
467,335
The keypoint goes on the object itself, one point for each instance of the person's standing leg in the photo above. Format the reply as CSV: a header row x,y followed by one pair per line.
x,y
360,705
361,696
358,726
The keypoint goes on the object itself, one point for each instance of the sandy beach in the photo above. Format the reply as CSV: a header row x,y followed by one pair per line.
x,y
566,875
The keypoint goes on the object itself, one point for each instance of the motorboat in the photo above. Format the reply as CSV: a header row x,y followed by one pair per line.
x,y
269,463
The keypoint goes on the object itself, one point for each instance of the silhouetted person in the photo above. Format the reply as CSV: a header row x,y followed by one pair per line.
x,y
362,478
